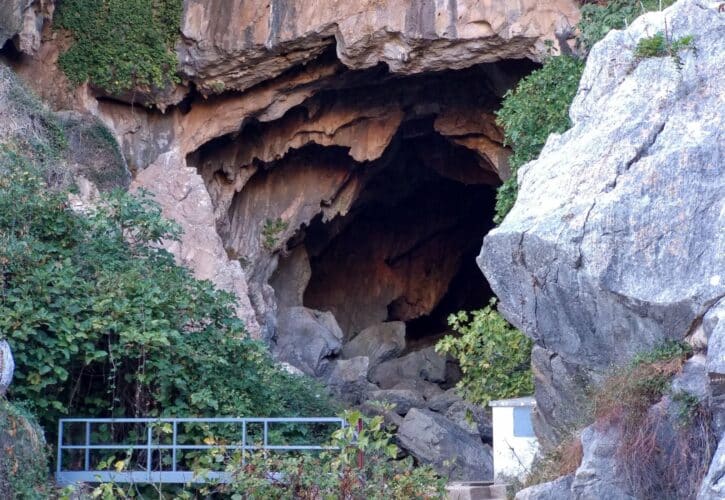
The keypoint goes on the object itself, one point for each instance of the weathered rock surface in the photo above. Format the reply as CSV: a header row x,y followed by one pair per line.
x,y
713,485
307,338
471,418
599,476
425,364
378,342
559,489
402,399
7,367
22,21
617,239
433,439
237,46
441,402
348,379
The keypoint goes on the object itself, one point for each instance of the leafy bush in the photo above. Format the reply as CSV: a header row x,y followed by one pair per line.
x,y
495,358
334,473
536,107
23,460
103,322
120,44
598,19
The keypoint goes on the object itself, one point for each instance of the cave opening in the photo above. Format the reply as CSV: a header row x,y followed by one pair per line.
x,y
369,199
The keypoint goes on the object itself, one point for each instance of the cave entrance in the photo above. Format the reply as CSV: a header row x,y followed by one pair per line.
x,y
405,250
369,199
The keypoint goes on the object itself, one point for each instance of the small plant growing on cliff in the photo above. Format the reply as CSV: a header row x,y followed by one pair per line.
x,y
495,357
660,45
271,231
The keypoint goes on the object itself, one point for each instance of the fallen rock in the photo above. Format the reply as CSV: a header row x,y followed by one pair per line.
x,y
378,342
559,489
433,439
306,338
471,418
441,402
403,399
427,389
425,364
348,379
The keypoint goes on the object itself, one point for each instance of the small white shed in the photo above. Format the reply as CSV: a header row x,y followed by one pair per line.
x,y
514,442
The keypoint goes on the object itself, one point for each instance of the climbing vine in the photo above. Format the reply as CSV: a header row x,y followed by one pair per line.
x,y
120,45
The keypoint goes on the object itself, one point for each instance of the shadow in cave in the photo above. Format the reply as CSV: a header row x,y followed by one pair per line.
x,y
406,250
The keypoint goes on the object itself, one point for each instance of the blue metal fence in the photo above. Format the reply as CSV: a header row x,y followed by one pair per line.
x,y
158,472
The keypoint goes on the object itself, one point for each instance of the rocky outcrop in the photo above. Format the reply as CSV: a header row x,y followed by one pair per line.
x,y
378,342
238,46
21,22
558,489
433,439
616,241
307,339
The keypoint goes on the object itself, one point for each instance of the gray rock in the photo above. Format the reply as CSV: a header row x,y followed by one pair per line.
x,y
7,367
713,485
307,338
598,475
471,418
441,402
617,238
714,328
379,342
427,389
291,278
348,379
692,379
559,489
425,364
433,439
403,399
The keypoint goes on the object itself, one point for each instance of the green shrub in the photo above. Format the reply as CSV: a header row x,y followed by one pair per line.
x,y
660,45
23,460
120,45
536,107
495,358
598,19
103,322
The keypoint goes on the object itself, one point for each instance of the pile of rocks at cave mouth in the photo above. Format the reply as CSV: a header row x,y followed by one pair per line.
x,y
433,423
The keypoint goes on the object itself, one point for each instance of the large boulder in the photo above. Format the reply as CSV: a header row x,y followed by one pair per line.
x,y
472,418
307,338
7,366
348,379
433,439
379,342
401,399
713,485
616,241
425,364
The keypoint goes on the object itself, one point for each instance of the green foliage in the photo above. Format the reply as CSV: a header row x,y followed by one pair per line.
x,y
120,44
665,351
271,231
598,19
331,474
536,107
103,322
23,460
660,45
495,358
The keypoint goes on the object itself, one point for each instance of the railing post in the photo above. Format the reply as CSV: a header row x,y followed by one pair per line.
x,y
244,442
60,447
149,432
87,457
173,448
264,442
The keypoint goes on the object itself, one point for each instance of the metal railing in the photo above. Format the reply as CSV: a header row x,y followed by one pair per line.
x,y
157,471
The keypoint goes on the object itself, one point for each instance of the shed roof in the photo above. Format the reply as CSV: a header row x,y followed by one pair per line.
x,y
525,401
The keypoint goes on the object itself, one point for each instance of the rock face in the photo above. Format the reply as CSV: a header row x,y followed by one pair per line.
x,y
433,439
243,44
554,490
617,239
7,367
22,22
378,342
307,338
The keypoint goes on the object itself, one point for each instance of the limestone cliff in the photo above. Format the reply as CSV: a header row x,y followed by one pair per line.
x,y
617,238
